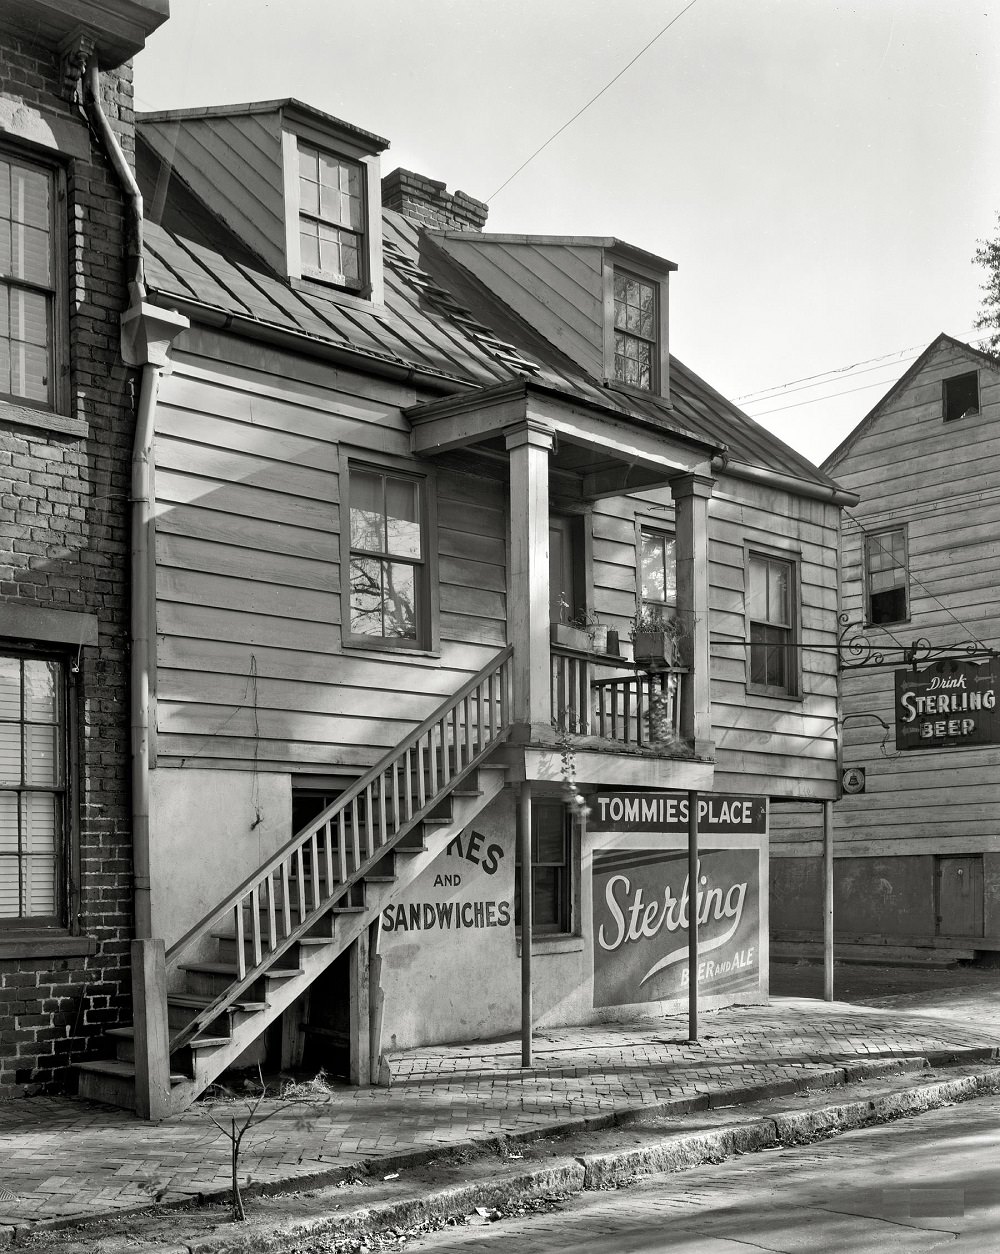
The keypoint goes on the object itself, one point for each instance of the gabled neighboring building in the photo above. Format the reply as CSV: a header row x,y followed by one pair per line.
x,y
917,833
68,248
392,457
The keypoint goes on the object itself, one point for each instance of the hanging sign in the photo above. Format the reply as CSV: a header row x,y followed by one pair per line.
x,y
642,899
948,705
718,813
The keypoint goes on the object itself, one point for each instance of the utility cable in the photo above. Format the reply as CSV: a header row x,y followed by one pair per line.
x,y
592,100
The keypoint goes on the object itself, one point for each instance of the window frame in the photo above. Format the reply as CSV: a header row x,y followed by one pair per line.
x,y
791,690
371,293
428,627
867,540
56,292
61,923
569,894
658,279
955,379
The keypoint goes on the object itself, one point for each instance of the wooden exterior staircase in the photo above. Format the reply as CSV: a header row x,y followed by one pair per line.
x,y
247,961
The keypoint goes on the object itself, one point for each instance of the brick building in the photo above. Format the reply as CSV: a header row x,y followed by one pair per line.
x,y
67,405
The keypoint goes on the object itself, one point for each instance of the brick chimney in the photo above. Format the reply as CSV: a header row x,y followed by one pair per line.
x,y
427,202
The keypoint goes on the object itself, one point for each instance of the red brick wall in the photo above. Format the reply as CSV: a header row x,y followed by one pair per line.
x,y
427,202
64,545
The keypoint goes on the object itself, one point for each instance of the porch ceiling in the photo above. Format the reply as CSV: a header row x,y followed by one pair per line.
x,y
597,452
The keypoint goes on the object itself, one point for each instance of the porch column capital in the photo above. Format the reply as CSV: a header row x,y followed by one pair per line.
x,y
531,432
692,485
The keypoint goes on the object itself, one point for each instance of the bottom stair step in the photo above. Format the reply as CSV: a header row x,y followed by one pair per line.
x,y
111,1082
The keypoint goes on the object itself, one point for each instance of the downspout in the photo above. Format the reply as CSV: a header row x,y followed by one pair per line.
x,y
146,337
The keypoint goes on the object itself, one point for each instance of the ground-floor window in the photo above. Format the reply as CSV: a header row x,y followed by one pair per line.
x,y
33,791
551,870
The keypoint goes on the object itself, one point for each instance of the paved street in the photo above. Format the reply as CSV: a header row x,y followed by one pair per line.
x,y
931,1182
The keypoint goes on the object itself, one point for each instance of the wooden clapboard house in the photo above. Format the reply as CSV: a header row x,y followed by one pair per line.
x,y
395,460
917,851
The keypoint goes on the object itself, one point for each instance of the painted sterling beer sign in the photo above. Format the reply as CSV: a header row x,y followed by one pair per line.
x,y
949,704
642,901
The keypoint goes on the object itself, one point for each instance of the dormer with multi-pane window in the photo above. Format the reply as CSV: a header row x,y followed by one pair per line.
x,y
604,302
301,189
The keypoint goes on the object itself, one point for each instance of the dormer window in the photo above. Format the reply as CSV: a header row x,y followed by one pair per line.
x,y
331,218
636,331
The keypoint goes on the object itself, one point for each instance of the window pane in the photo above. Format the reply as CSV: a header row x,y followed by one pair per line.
x,y
777,593
39,898
39,822
546,897
402,508
8,824
29,371
309,245
30,249
400,601
10,753
10,888
42,760
29,197
769,660
42,691
658,568
10,687
367,512
308,196
366,596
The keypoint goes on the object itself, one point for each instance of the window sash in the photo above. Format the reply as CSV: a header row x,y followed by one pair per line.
x,y
33,790
551,871
387,550
770,612
636,330
331,216
28,281
887,576
657,572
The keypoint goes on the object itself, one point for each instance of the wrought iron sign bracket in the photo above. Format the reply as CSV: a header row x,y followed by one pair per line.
x,y
856,652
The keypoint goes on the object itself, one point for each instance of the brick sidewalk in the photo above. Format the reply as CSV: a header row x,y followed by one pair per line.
x,y
66,1159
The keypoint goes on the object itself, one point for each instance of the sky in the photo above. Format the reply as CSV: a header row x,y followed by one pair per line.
x,y
819,171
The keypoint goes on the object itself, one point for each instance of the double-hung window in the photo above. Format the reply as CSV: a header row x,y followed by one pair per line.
x,y
886,576
29,282
636,331
551,870
771,600
388,566
657,574
332,217
33,791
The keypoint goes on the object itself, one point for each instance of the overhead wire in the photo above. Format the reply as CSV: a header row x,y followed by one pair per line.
x,y
592,100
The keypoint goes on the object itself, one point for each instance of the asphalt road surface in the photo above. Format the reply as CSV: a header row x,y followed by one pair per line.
x,y
931,1182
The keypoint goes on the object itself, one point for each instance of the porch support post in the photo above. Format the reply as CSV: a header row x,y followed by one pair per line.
x,y
360,1011
828,900
524,847
529,445
691,495
692,907
152,1041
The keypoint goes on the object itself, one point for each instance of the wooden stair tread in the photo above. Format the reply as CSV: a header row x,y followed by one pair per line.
x,y
121,1070
228,968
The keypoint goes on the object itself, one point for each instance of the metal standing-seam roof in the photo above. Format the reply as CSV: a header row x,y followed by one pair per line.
x,y
438,319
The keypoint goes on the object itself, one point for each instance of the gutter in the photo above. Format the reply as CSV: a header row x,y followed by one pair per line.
x,y
146,336
313,346
829,493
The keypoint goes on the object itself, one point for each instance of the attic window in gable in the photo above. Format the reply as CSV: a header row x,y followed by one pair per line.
x,y
961,395
331,218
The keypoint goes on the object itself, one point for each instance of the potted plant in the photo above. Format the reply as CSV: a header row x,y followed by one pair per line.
x,y
654,640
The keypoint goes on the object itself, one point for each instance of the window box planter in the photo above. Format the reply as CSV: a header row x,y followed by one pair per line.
x,y
570,637
654,650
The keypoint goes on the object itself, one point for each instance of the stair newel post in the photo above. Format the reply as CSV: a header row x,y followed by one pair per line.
x,y
152,1040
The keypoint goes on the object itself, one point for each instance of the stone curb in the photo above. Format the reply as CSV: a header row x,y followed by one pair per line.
x,y
603,1170
835,1077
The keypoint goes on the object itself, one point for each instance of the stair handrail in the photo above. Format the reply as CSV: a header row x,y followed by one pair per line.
x,y
496,667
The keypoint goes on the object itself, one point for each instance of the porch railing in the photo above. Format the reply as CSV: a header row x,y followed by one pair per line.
x,y
614,700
